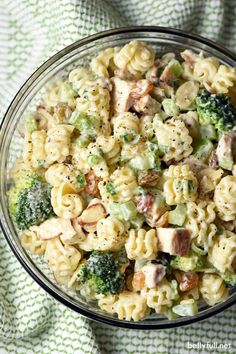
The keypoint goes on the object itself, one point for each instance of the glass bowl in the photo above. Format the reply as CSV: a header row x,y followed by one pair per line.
x,y
163,40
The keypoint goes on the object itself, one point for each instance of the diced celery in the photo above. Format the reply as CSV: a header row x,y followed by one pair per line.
x,y
226,162
170,107
208,132
186,308
138,221
114,210
123,211
110,188
84,123
203,149
178,215
175,67
83,140
128,210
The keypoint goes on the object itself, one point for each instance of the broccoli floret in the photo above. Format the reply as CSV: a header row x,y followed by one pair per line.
x,y
101,271
30,200
187,264
230,279
216,109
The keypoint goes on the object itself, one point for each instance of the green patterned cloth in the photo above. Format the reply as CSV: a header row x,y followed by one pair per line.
x,y
30,32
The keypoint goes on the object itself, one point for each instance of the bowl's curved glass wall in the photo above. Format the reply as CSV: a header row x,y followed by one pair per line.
x,y
79,53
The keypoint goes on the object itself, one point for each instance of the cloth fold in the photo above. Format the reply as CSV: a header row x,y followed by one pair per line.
x,y
30,32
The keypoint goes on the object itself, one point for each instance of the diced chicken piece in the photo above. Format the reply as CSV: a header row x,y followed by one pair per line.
x,y
147,105
155,212
144,203
226,150
187,281
142,88
209,178
148,178
154,273
121,98
176,242
124,74
94,212
54,227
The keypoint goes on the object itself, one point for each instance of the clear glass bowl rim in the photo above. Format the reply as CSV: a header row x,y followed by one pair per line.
x,y
3,127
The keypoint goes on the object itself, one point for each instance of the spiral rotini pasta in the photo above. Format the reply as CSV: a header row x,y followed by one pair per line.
x,y
142,244
111,234
60,92
146,127
110,148
136,57
124,125
124,183
222,254
224,79
103,62
65,201
35,154
174,139
57,145
199,219
213,289
225,198
31,242
63,260
181,185
61,172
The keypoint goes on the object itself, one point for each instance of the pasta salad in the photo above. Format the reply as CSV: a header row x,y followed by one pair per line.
x,y
127,183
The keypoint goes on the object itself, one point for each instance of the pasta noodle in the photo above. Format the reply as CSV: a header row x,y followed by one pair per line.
x,y
142,244
31,242
213,289
124,183
174,139
181,185
66,202
63,260
225,198
222,254
136,57
130,306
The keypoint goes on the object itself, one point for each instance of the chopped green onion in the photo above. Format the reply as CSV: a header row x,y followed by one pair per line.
x,y
81,180
110,188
